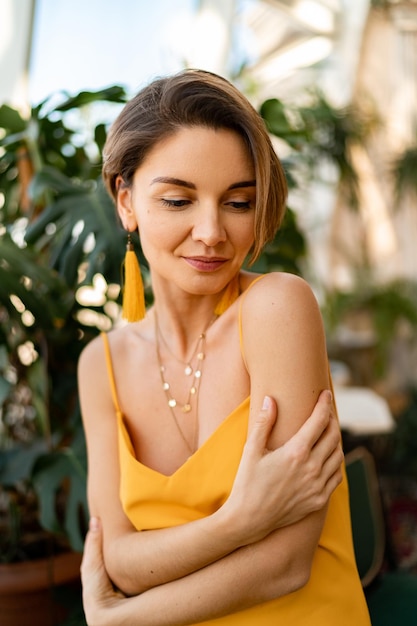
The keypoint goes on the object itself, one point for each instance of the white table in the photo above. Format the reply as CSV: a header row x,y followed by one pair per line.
x,y
362,411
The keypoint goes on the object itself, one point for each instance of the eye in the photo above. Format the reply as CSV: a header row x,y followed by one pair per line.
x,y
174,203
240,205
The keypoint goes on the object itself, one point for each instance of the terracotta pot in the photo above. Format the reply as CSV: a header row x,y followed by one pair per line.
x,y
27,590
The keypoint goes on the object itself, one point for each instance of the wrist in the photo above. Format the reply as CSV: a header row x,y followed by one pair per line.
x,y
229,526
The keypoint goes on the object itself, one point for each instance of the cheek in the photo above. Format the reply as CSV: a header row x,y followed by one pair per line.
x,y
244,235
158,235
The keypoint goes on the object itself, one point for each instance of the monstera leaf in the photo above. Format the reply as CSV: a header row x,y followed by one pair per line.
x,y
78,226
62,471
41,290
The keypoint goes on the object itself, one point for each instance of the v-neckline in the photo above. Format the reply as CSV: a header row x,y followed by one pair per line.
x,y
191,459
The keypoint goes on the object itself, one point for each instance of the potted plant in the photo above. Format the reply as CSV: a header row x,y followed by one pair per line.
x,y
36,557
48,186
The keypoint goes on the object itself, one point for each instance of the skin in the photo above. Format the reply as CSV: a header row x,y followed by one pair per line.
x,y
193,201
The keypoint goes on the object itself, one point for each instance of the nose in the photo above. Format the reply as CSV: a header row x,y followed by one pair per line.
x,y
208,226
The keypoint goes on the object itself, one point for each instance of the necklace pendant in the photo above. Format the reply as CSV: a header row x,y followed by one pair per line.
x,y
193,369
188,370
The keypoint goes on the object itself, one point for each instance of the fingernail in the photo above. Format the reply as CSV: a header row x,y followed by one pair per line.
x,y
94,524
266,403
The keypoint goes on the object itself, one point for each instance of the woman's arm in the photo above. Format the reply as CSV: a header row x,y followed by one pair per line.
x,y
217,590
292,482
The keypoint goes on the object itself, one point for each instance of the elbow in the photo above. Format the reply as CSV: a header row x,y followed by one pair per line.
x,y
292,578
301,577
122,583
121,578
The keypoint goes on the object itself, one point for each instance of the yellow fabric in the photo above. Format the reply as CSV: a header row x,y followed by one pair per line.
x,y
152,500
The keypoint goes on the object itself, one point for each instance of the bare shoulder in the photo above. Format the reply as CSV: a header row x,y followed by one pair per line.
x,y
284,348
279,294
92,355
93,368
281,318
99,370
92,358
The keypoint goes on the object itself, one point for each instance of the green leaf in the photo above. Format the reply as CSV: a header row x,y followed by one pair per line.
x,y
273,112
94,209
100,135
4,358
62,471
43,284
11,120
5,387
38,381
16,464
275,115
405,173
114,93
51,179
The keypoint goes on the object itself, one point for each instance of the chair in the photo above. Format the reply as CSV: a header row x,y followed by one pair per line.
x,y
391,595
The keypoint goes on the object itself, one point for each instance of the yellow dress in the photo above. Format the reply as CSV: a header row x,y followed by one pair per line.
x,y
153,500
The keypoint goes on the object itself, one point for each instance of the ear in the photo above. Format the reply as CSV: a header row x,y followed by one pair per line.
x,y
124,204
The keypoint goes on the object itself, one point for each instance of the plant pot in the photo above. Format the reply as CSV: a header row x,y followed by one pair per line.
x,y
28,590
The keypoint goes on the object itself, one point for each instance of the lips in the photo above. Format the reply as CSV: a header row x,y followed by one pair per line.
x,y
205,264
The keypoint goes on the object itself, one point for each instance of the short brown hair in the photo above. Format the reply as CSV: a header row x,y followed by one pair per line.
x,y
197,98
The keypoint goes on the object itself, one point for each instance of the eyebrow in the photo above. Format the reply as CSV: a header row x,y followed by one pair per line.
x,y
173,181
183,183
244,183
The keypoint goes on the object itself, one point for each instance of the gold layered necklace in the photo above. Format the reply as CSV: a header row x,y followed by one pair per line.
x,y
193,369
188,368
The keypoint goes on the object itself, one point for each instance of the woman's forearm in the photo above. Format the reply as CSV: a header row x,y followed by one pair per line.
x,y
276,566
138,561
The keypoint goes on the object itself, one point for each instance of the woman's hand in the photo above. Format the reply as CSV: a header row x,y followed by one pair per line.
x,y
99,596
276,488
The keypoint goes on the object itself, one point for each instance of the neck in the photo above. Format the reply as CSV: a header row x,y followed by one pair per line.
x,y
181,326
180,342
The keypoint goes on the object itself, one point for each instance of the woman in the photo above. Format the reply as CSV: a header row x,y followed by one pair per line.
x,y
233,501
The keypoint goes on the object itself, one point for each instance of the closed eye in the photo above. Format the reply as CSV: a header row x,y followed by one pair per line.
x,y
240,206
172,203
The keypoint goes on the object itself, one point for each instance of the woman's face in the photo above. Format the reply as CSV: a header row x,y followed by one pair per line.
x,y
193,199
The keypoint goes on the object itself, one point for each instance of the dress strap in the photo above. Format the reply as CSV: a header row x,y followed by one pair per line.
x,y
242,349
110,372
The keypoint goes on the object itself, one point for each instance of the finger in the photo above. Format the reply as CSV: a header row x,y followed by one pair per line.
x,y
329,441
313,428
333,463
334,480
93,556
262,426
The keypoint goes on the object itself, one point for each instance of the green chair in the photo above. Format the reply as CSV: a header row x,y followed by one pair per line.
x,y
391,595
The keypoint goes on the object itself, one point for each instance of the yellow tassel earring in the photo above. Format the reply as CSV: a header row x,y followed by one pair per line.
x,y
133,309
231,293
